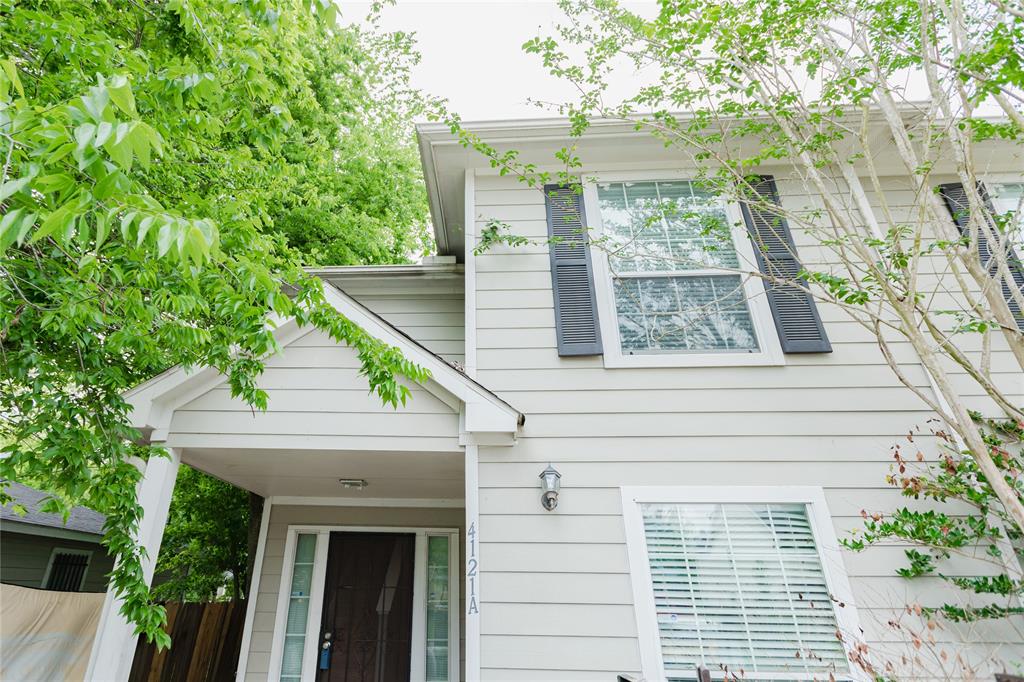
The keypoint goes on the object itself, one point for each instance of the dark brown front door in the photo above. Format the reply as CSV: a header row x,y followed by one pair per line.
x,y
367,619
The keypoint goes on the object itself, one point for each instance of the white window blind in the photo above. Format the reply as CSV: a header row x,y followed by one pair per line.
x,y
298,607
741,585
438,608
670,254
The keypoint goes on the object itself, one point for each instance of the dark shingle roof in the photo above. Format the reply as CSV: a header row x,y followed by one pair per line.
x,y
82,519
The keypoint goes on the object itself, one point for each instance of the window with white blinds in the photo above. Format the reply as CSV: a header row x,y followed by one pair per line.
x,y
740,585
438,608
298,607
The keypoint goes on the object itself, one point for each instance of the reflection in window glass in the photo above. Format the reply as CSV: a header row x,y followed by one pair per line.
x,y
683,313
438,611
1008,198
741,585
665,226
670,245
298,607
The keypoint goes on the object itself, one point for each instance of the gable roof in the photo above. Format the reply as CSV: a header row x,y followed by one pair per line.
x,y
81,520
479,388
153,402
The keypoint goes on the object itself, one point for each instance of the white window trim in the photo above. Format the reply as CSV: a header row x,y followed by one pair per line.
x,y
757,300
87,553
1001,178
310,655
824,537
990,179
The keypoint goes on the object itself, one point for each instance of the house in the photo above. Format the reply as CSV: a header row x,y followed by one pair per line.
x,y
43,551
694,488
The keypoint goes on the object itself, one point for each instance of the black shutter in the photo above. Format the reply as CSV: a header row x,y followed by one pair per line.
x,y
796,316
572,276
959,207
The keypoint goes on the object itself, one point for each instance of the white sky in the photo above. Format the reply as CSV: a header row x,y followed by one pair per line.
x,y
472,52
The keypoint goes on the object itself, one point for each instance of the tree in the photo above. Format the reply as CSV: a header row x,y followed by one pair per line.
x,y
204,547
940,530
828,87
359,199
147,150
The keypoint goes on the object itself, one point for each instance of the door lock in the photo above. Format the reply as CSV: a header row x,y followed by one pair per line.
x,y
325,652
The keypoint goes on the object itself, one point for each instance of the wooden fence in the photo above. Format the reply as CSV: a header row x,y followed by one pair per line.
x,y
205,639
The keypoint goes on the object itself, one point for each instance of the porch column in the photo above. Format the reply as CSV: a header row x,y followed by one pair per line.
x,y
114,646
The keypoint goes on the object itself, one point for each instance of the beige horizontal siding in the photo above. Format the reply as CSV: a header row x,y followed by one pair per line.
x,y
314,391
557,601
435,320
24,558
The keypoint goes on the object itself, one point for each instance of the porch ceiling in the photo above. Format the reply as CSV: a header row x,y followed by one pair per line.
x,y
315,473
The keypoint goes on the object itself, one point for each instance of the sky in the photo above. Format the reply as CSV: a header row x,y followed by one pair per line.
x,y
472,52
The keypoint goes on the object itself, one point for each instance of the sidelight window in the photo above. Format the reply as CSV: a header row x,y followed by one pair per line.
x,y
298,607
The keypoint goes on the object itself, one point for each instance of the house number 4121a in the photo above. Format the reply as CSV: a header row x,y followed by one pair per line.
x,y
471,570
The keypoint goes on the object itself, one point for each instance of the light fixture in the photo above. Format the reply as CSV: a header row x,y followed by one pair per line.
x,y
354,483
551,481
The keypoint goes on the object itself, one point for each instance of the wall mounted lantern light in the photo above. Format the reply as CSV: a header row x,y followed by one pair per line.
x,y
550,482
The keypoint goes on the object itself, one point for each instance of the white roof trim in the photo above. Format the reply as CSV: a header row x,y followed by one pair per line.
x,y
415,270
154,402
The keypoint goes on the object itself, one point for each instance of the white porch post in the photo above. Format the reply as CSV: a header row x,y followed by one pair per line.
x,y
114,646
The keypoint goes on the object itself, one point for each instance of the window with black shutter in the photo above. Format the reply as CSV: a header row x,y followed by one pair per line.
x,y
1008,195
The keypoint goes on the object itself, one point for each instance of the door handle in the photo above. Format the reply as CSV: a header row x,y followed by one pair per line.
x,y
325,652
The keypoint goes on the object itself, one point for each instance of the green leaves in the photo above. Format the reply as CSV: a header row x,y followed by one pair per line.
x,y
9,79
12,186
14,226
964,519
153,156
327,10
120,93
205,543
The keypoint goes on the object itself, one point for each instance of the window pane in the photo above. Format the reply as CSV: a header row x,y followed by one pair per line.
x,y
67,571
665,226
1008,197
698,313
437,608
740,585
298,607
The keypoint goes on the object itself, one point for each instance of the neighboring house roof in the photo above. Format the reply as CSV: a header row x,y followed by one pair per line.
x,y
154,401
81,520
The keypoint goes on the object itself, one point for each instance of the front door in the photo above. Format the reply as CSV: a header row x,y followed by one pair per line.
x,y
366,631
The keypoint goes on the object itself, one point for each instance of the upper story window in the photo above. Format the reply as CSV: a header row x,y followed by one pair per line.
x,y
671,280
1008,197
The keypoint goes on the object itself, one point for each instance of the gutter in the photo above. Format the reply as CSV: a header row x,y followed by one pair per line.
x,y
382,271
426,146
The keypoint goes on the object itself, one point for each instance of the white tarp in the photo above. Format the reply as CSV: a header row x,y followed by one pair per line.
x,y
46,635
